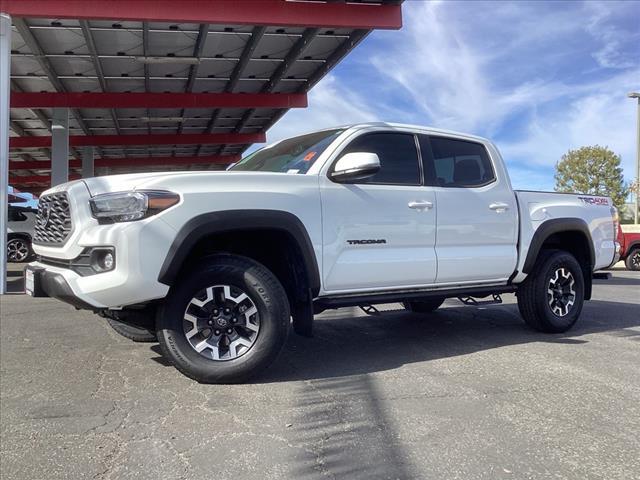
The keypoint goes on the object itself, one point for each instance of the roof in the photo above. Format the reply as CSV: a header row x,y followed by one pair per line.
x,y
171,95
407,126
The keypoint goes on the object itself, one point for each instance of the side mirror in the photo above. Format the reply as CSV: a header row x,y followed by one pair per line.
x,y
356,166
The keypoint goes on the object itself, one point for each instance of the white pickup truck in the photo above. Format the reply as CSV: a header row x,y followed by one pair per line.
x,y
217,265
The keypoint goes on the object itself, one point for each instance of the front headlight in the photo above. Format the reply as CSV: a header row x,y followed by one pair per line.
x,y
129,206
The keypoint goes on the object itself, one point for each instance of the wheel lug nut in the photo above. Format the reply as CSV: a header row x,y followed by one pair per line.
x,y
210,322
234,319
229,331
217,332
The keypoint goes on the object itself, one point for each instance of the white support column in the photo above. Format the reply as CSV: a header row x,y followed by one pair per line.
x,y
60,146
5,77
637,179
87,162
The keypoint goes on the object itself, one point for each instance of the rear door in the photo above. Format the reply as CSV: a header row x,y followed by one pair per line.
x,y
476,211
379,233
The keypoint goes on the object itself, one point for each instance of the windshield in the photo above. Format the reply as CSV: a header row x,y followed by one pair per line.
x,y
294,155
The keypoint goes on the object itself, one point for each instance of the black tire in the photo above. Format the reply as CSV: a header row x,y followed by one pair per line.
x,y
427,305
264,291
133,332
633,260
534,298
19,249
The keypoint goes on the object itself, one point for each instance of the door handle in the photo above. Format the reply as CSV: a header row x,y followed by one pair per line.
x,y
499,206
420,204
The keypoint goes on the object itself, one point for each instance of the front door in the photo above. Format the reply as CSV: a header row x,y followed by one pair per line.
x,y
379,233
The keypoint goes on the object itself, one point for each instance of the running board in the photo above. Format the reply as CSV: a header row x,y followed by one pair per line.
x,y
369,309
475,303
323,303
373,310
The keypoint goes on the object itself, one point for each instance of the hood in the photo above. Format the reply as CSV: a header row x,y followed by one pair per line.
x,y
205,180
132,181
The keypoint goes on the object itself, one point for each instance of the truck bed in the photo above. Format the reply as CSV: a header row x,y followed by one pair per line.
x,y
535,208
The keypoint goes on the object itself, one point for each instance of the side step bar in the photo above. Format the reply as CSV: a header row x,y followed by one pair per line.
x,y
471,301
475,303
324,303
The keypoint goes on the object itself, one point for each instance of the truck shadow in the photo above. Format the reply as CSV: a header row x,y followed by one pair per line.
x,y
345,428
345,344
341,417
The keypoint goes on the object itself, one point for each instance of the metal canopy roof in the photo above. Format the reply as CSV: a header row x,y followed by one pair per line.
x,y
170,95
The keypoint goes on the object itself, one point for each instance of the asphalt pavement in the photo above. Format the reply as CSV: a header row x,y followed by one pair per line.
x,y
465,393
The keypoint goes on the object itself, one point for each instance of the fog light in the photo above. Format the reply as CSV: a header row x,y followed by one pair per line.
x,y
103,259
107,261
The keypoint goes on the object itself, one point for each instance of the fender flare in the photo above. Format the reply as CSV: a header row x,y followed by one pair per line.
x,y
634,244
226,221
557,225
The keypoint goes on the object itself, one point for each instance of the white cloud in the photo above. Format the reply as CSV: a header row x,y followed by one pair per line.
x,y
606,119
438,68
476,69
537,78
609,55
330,104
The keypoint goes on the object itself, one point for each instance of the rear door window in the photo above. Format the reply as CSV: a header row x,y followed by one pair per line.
x,y
457,163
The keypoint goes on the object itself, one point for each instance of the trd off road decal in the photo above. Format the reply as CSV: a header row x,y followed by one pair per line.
x,y
594,200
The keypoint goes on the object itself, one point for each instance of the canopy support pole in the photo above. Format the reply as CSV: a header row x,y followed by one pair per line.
x,y
5,75
87,162
60,146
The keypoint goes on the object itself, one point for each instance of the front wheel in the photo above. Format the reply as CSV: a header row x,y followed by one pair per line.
x,y
551,298
225,321
633,260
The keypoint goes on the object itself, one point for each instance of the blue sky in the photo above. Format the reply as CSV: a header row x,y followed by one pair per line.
x,y
538,78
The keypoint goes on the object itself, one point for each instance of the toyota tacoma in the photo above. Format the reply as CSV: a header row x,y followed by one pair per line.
x,y
218,265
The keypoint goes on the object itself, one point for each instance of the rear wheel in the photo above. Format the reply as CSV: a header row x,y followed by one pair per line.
x,y
225,322
633,260
427,305
551,298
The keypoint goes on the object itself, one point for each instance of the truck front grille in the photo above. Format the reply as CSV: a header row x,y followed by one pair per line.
x,y
53,222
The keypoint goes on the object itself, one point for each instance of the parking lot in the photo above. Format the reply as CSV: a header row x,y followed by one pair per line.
x,y
467,392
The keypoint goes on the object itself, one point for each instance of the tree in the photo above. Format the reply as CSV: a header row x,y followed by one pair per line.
x,y
592,170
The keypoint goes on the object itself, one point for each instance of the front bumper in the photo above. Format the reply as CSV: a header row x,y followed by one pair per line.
x,y
139,250
50,284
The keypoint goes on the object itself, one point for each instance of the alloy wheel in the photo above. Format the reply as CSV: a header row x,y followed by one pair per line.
x,y
221,322
17,250
561,294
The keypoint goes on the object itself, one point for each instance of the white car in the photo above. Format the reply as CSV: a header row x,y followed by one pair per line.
x,y
19,233
216,264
